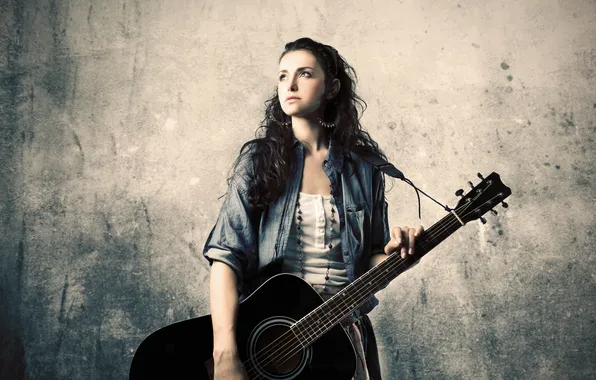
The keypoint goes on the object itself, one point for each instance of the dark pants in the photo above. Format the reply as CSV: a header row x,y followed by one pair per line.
x,y
371,351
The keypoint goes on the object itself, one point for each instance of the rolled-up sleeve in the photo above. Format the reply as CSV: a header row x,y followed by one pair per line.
x,y
234,238
380,223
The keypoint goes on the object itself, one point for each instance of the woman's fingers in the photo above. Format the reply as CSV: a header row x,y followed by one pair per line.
x,y
403,239
395,241
411,241
419,230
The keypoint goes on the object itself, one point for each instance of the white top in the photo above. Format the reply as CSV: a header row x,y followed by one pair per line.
x,y
315,235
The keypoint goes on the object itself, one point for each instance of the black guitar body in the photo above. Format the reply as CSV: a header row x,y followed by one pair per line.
x,y
181,350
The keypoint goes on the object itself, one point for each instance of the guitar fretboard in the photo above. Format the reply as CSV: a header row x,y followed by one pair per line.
x,y
322,319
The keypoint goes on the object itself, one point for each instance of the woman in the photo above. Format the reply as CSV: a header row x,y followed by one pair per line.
x,y
301,199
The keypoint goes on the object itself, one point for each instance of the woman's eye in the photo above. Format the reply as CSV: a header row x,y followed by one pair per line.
x,y
304,72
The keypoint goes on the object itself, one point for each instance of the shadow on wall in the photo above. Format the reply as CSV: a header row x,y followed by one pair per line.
x,y
12,352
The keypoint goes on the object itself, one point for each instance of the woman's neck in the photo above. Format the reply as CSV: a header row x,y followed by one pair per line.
x,y
310,133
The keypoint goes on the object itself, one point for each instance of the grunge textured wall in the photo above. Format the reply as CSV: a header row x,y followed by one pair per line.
x,y
119,121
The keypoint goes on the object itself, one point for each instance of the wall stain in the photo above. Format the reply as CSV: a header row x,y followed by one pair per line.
x,y
73,93
56,80
62,320
414,361
567,123
103,364
147,217
21,261
78,144
113,144
467,274
586,62
423,293
63,299
565,120
149,237
549,164
89,14
108,229
193,247
79,165
12,351
141,298
497,226
14,96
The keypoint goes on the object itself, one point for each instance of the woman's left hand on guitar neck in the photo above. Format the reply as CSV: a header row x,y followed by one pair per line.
x,y
402,238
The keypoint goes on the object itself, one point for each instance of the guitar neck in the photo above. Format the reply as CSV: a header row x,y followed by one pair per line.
x,y
320,320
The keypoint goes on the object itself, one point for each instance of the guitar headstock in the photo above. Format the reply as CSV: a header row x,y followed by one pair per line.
x,y
482,198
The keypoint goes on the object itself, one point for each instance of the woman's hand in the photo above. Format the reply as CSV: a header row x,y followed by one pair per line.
x,y
403,238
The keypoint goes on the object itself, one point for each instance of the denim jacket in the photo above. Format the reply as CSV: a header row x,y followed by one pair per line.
x,y
252,242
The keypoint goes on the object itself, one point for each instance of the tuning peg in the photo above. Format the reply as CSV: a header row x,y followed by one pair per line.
x,y
494,212
459,193
505,205
483,220
480,176
471,184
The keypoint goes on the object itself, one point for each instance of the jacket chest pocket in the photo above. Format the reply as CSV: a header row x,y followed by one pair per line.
x,y
354,229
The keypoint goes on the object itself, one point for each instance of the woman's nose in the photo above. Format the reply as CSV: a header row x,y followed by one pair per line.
x,y
292,84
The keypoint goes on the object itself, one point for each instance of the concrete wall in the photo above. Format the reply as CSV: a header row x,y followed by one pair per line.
x,y
120,118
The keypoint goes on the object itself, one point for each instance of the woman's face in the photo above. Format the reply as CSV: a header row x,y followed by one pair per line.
x,y
301,76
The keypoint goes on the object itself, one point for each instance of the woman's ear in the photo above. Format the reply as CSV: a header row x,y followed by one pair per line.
x,y
334,88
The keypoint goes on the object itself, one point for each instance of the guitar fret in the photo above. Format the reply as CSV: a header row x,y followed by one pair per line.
x,y
297,337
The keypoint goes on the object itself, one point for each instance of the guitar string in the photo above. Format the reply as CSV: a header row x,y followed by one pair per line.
x,y
374,280
372,283
285,355
448,223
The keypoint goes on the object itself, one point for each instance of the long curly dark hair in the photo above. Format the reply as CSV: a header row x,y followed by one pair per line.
x,y
270,152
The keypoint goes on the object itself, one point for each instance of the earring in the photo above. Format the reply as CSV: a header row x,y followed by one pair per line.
x,y
283,123
334,122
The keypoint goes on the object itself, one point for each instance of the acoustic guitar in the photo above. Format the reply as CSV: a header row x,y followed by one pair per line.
x,y
284,329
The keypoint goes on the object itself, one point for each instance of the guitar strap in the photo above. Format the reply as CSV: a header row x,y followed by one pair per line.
x,y
378,162
389,169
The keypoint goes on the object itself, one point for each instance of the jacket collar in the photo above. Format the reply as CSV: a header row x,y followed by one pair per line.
x,y
334,157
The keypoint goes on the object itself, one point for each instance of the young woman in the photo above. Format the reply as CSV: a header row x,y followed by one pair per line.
x,y
301,199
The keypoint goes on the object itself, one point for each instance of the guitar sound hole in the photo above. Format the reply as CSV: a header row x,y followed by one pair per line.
x,y
274,350
279,362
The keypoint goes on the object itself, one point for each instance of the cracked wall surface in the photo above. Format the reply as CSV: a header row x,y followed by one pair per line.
x,y
120,119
